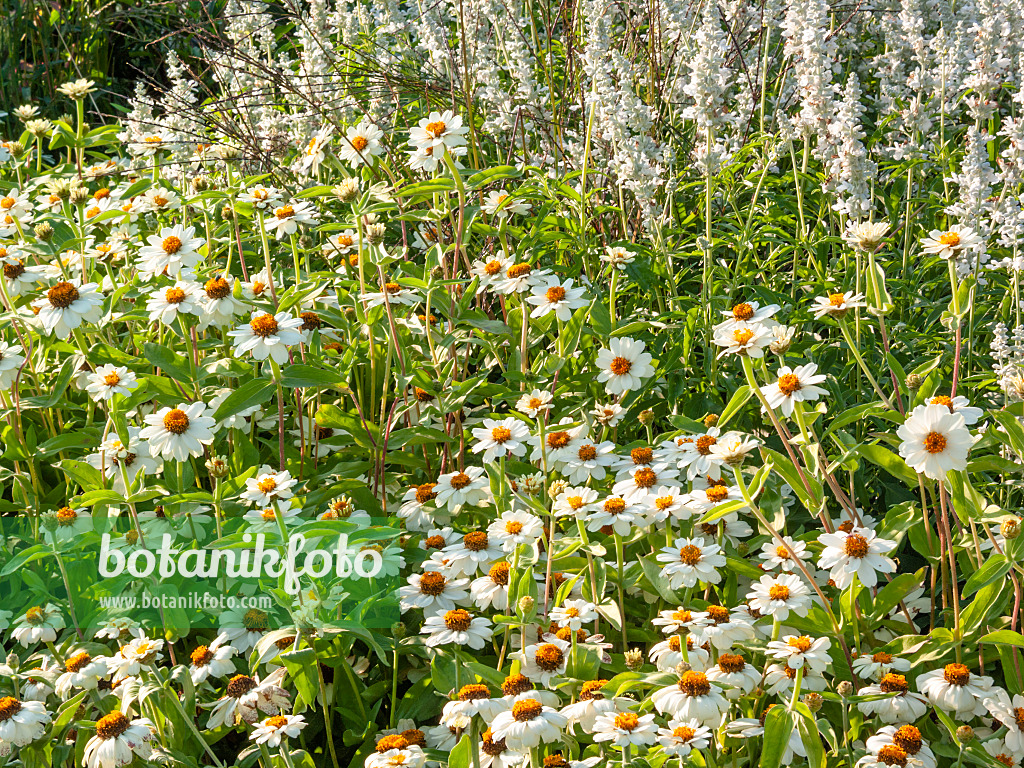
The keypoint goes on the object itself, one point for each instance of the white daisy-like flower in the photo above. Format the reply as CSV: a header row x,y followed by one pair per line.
x,y
746,314
261,197
268,486
873,666
680,620
681,737
591,704
180,432
584,459
39,624
543,661
1010,713
798,651
173,249
618,514
457,489
22,722
837,304
68,304
498,439
490,272
778,596
166,305
733,672
11,361
668,654
285,219
81,670
855,553
439,128
692,698
18,277
433,592
574,614
907,739
577,501
315,151
502,204
947,244
109,380
514,528
217,302
138,653
491,590
898,705
552,296
865,236
534,402
361,144
637,483
267,335
274,730
776,555
528,723
623,365
626,729
609,414
390,293
746,340
956,689
691,560
664,502
935,440
457,627
213,660
245,697
473,552
794,385
617,256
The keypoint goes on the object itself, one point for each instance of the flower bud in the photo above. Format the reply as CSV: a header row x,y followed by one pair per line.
x,y
347,190
914,381
525,605
710,420
965,734
217,466
437,273
43,232
634,659
556,488
201,183
16,148
227,213
845,688
305,241
1010,528
646,417
375,233
682,668
813,701
13,661
79,195
50,522
398,630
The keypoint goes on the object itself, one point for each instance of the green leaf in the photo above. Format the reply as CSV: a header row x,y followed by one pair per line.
x,y
996,567
778,726
890,462
1004,637
736,402
255,392
299,375
462,754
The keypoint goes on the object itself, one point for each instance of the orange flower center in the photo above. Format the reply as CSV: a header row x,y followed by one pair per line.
x,y
62,295
555,294
525,710
171,244
956,674
855,545
950,238
264,325
789,383
432,583
779,592
694,684
743,312
176,421
626,721
620,366
458,620
111,726
501,434
690,554
935,442
549,657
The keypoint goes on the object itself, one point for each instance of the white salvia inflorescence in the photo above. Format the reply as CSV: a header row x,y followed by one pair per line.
x,y
976,181
808,43
852,172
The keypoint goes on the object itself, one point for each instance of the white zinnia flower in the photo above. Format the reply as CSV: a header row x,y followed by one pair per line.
x,y
267,335
180,432
624,365
794,385
935,441
946,244
117,741
855,553
67,305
